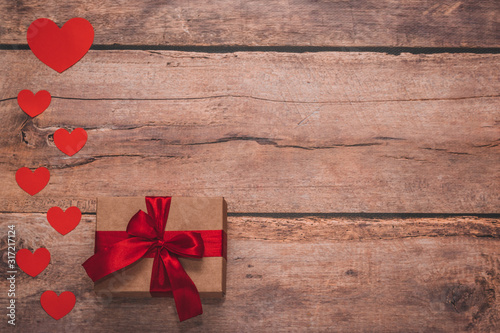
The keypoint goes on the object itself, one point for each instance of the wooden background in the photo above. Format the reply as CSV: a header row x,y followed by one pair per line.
x,y
356,143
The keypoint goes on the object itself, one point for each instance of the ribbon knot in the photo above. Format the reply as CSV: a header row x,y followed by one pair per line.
x,y
146,234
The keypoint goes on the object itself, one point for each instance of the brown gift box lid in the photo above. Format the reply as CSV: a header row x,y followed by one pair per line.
x,y
186,213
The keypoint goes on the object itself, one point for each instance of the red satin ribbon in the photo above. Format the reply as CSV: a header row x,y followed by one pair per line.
x,y
214,241
145,238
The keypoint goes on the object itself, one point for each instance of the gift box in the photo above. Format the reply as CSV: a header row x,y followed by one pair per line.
x,y
146,236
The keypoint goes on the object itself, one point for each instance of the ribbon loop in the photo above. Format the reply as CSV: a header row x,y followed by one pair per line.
x,y
142,225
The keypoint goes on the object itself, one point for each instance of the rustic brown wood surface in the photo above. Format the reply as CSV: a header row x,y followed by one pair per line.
x,y
340,274
271,132
299,132
412,23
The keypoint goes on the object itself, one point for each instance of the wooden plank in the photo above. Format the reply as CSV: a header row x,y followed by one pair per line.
x,y
271,132
306,273
414,23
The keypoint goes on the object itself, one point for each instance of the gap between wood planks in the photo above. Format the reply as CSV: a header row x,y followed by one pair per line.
x,y
306,228
282,49
295,215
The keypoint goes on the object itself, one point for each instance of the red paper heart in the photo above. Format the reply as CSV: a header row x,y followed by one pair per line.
x,y
57,306
32,182
33,104
60,48
68,143
64,221
33,263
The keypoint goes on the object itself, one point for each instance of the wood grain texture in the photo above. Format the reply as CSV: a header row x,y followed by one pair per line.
x,y
271,132
414,23
313,273
324,132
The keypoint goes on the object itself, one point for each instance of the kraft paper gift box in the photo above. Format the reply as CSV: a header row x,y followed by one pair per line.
x,y
186,213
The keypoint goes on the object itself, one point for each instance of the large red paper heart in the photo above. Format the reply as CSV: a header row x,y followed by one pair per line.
x,y
60,48
64,221
32,182
70,143
33,263
33,104
57,306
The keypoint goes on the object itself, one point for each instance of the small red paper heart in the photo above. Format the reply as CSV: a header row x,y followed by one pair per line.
x,y
68,143
33,263
33,104
32,182
60,48
64,221
57,306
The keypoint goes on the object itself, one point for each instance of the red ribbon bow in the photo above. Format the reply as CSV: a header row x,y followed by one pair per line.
x,y
146,237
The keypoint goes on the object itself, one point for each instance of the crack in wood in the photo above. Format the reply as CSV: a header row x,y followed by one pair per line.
x,y
7,99
488,145
284,101
445,151
92,159
340,102
407,158
388,138
267,141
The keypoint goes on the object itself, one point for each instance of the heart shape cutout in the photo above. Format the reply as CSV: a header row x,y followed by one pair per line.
x,y
33,104
33,263
70,143
60,48
32,182
64,221
57,306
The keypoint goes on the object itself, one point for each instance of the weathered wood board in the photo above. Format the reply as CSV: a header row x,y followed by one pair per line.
x,y
340,274
294,132
360,23
271,132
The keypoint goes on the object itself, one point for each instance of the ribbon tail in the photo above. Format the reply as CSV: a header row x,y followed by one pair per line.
x,y
186,296
160,284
